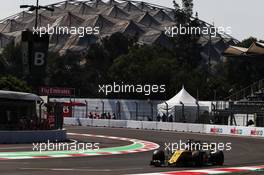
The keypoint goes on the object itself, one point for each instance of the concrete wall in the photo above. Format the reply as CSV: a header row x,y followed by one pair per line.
x,y
181,127
32,136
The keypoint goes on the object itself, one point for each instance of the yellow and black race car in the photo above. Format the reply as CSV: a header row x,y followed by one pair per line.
x,y
188,157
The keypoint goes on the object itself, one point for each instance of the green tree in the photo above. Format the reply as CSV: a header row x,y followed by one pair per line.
x,y
115,45
145,65
187,7
64,70
241,72
12,57
247,42
3,65
13,84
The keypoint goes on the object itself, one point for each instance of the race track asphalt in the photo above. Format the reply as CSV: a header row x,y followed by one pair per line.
x,y
245,152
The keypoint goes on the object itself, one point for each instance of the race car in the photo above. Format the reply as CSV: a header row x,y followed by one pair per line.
x,y
188,157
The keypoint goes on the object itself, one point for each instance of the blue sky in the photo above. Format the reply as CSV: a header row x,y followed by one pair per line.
x,y
244,16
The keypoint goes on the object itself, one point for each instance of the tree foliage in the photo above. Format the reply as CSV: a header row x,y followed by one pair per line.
x,y
247,42
13,84
187,6
121,59
11,60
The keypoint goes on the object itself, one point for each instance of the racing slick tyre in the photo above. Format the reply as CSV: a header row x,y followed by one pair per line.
x,y
158,158
198,158
217,158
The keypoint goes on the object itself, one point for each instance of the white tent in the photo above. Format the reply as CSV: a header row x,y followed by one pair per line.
x,y
182,102
183,97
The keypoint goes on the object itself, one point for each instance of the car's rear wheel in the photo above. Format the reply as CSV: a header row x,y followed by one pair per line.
x,y
218,158
198,158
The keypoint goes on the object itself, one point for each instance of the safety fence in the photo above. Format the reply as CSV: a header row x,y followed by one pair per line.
x,y
139,110
180,127
118,109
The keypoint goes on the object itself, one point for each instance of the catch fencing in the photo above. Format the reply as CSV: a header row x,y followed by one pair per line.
x,y
140,110
120,109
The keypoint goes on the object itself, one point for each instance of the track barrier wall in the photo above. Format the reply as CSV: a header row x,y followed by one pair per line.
x,y
165,126
15,137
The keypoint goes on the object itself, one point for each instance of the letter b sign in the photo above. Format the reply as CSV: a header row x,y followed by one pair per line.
x,y
39,59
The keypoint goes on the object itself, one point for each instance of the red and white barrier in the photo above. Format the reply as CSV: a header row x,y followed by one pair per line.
x,y
211,171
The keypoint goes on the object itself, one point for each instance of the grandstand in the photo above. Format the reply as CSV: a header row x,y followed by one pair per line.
x,y
242,106
133,18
